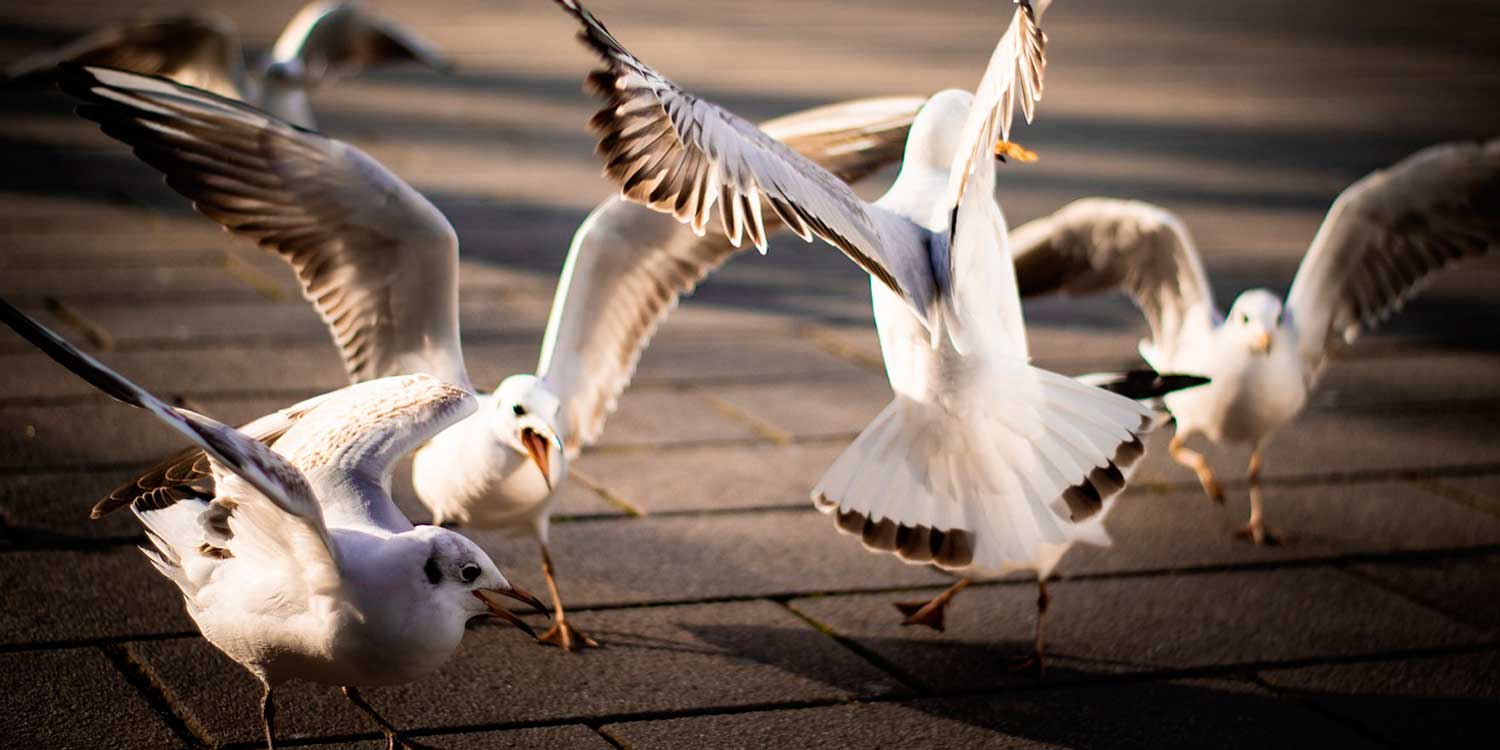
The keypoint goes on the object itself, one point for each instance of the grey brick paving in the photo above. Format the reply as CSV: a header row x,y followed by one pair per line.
x,y
1374,620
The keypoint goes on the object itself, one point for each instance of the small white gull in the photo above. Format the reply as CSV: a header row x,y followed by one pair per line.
x,y
323,42
380,264
283,539
1383,238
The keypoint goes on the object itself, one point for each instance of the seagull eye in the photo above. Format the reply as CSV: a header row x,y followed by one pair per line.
x,y
1245,318
518,410
469,572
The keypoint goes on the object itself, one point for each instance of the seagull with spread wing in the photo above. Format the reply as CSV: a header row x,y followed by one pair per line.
x,y
982,463
380,264
290,555
323,42
1383,238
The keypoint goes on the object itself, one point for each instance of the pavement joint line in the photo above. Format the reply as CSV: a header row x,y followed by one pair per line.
x,y
144,680
1411,597
825,339
1470,500
769,432
892,670
628,508
95,334
1298,698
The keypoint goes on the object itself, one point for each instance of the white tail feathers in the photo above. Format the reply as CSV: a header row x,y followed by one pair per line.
x,y
1008,485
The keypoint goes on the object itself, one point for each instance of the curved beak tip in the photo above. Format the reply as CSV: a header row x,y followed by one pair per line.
x,y
537,445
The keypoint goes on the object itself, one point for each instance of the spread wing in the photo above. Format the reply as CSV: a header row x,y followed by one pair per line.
x,y
1388,233
377,260
197,49
681,155
1097,244
628,264
335,39
283,504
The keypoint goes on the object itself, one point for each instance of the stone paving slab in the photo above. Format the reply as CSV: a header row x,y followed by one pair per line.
x,y
631,561
812,409
85,594
1222,713
648,419
1445,701
1467,589
712,478
1109,627
658,659
74,699
1154,531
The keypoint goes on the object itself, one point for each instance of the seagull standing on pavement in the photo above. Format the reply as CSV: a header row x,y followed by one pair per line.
x,y
323,42
380,263
283,539
1382,239
982,463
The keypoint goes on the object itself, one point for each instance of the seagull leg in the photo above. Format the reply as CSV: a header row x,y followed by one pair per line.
x,y
561,634
930,612
393,740
1195,461
1255,528
268,718
1037,661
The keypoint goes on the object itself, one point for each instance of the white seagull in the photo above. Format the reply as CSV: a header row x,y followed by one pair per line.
x,y
1384,236
380,263
283,539
982,463
323,42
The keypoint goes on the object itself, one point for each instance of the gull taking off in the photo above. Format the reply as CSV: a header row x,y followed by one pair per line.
x,y
323,42
982,463
380,264
283,539
1385,235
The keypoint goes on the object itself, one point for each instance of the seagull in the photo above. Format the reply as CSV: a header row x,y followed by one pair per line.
x,y
380,264
323,42
981,464
1383,238
282,536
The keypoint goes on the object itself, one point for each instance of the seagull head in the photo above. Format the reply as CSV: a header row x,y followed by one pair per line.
x,y
462,582
525,420
937,129
1255,320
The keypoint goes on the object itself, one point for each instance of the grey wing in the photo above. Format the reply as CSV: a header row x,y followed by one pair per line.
x,y
334,39
629,265
197,49
377,260
1097,244
682,155
1388,233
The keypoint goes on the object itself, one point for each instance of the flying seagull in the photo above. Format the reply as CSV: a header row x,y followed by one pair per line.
x,y
1383,238
380,264
283,539
982,463
323,42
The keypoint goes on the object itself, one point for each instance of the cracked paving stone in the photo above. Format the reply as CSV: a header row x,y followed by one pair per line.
x,y
1130,625
74,699
659,659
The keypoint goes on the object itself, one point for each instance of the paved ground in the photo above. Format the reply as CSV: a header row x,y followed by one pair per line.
x,y
734,615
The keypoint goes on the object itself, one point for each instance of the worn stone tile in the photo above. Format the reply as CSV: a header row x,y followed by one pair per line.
x,y
52,507
1442,701
1467,588
1112,626
712,477
311,366
1184,714
541,738
812,409
1183,529
1478,492
1424,377
673,559
65,595
658,417
63,699
656,660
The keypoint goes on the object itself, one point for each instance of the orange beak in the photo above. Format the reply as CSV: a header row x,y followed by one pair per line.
x,y
1008,150
1262,343
536,446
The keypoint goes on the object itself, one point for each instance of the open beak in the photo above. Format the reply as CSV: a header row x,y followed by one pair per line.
x,y
1262,343
536,445
495,600
1008,150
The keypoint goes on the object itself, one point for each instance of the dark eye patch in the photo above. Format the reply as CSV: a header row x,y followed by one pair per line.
x,y
434,573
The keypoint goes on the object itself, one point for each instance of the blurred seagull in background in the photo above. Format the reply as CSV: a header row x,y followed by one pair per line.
x,y
323,42
380,264
981,464
1383,238
283,539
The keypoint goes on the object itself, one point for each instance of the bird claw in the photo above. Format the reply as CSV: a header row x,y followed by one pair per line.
x,y
566,637
929,613
1256,534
